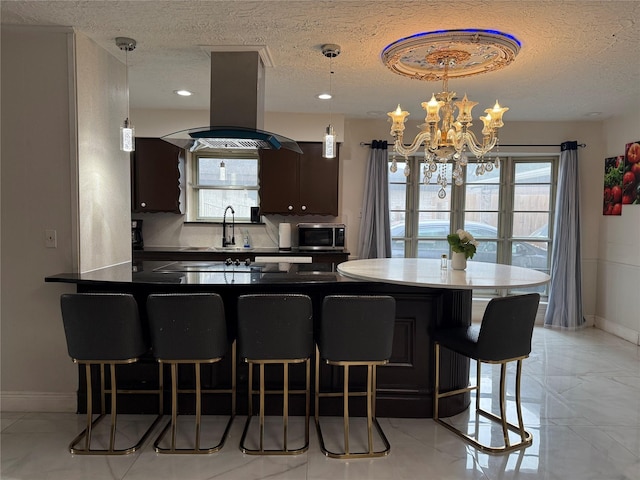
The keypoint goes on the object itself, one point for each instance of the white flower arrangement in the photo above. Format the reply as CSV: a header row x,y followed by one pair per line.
x,y
463,242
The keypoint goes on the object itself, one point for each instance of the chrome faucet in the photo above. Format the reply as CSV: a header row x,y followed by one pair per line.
x,y
232,241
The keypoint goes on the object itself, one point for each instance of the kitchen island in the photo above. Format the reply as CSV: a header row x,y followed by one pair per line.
x,y
405,386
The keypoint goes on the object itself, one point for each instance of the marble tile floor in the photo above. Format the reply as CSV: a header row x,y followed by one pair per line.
x,y
581,399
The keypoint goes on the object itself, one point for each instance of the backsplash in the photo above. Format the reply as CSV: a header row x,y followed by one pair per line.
x,y
169,230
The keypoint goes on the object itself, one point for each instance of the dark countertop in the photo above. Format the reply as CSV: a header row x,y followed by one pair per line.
x,y
205,273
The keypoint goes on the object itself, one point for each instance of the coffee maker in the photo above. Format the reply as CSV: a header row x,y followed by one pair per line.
x,y
136,235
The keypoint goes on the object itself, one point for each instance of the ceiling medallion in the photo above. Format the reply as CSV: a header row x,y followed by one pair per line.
x,y
440,55
475,52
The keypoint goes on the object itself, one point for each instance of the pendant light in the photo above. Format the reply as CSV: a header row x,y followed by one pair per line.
x,y
127,132
330,51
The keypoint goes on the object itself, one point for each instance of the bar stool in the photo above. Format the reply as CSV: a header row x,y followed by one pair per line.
x,y
355,331
104,329
275,329
190,329
504,336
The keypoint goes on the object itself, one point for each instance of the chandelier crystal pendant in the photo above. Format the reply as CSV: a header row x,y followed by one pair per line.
x,y
330,51
127,131
446,136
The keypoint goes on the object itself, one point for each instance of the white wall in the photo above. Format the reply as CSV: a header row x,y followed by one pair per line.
x,y
103,170
618,275
45,158
37,194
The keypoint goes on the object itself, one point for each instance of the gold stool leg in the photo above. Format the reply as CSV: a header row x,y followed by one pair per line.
x,y
286,392
523,433
370,395
233,379
198,392
307,400
262,407
87,433
114,392
370,408
316,393
198,404
478,382
174,405
87,369
503,407
526,438
285,404
345,406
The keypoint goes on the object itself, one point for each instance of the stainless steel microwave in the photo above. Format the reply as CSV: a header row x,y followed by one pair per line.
x,y
321,236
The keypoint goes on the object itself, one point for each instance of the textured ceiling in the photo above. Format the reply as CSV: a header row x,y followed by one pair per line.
x,y
577,57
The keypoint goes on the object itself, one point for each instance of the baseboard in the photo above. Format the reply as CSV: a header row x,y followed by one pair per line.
x,y
38,402
618,330
590,320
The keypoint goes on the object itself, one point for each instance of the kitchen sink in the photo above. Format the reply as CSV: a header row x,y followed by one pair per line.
x,y
197,249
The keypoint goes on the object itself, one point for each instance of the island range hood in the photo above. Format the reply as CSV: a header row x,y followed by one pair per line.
x,y
236,108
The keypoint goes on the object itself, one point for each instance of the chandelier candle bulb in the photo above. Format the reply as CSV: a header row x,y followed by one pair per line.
x,y
398,117
496,114
464,110
433,108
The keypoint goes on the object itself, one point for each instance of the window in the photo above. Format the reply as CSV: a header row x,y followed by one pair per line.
x,y
509,210
221,179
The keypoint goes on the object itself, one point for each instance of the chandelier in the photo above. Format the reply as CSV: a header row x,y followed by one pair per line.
x,y
446,137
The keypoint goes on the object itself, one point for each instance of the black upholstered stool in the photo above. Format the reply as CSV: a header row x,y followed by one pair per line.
x,y
275,329
504,336
104,329
355,331
190,329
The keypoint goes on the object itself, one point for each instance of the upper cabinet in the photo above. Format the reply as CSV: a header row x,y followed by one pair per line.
x,y
157,172
295,184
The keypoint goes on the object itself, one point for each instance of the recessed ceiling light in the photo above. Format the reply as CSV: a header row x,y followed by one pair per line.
x,y
183,93
593,114
324,96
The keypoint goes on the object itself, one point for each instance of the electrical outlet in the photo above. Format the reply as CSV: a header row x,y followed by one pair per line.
x,y
50,238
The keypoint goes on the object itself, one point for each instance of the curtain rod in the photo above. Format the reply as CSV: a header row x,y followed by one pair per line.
x,y
364,144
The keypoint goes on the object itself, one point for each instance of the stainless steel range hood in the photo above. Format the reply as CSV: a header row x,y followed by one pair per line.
x,y
236,108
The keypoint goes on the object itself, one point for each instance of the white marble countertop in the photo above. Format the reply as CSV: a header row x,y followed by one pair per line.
x,y
423,272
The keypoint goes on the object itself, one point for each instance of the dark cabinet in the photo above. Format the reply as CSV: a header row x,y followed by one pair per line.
x,y
157,175
295,184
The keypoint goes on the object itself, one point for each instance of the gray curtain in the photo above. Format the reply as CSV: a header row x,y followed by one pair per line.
x,y
375,233
565,294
